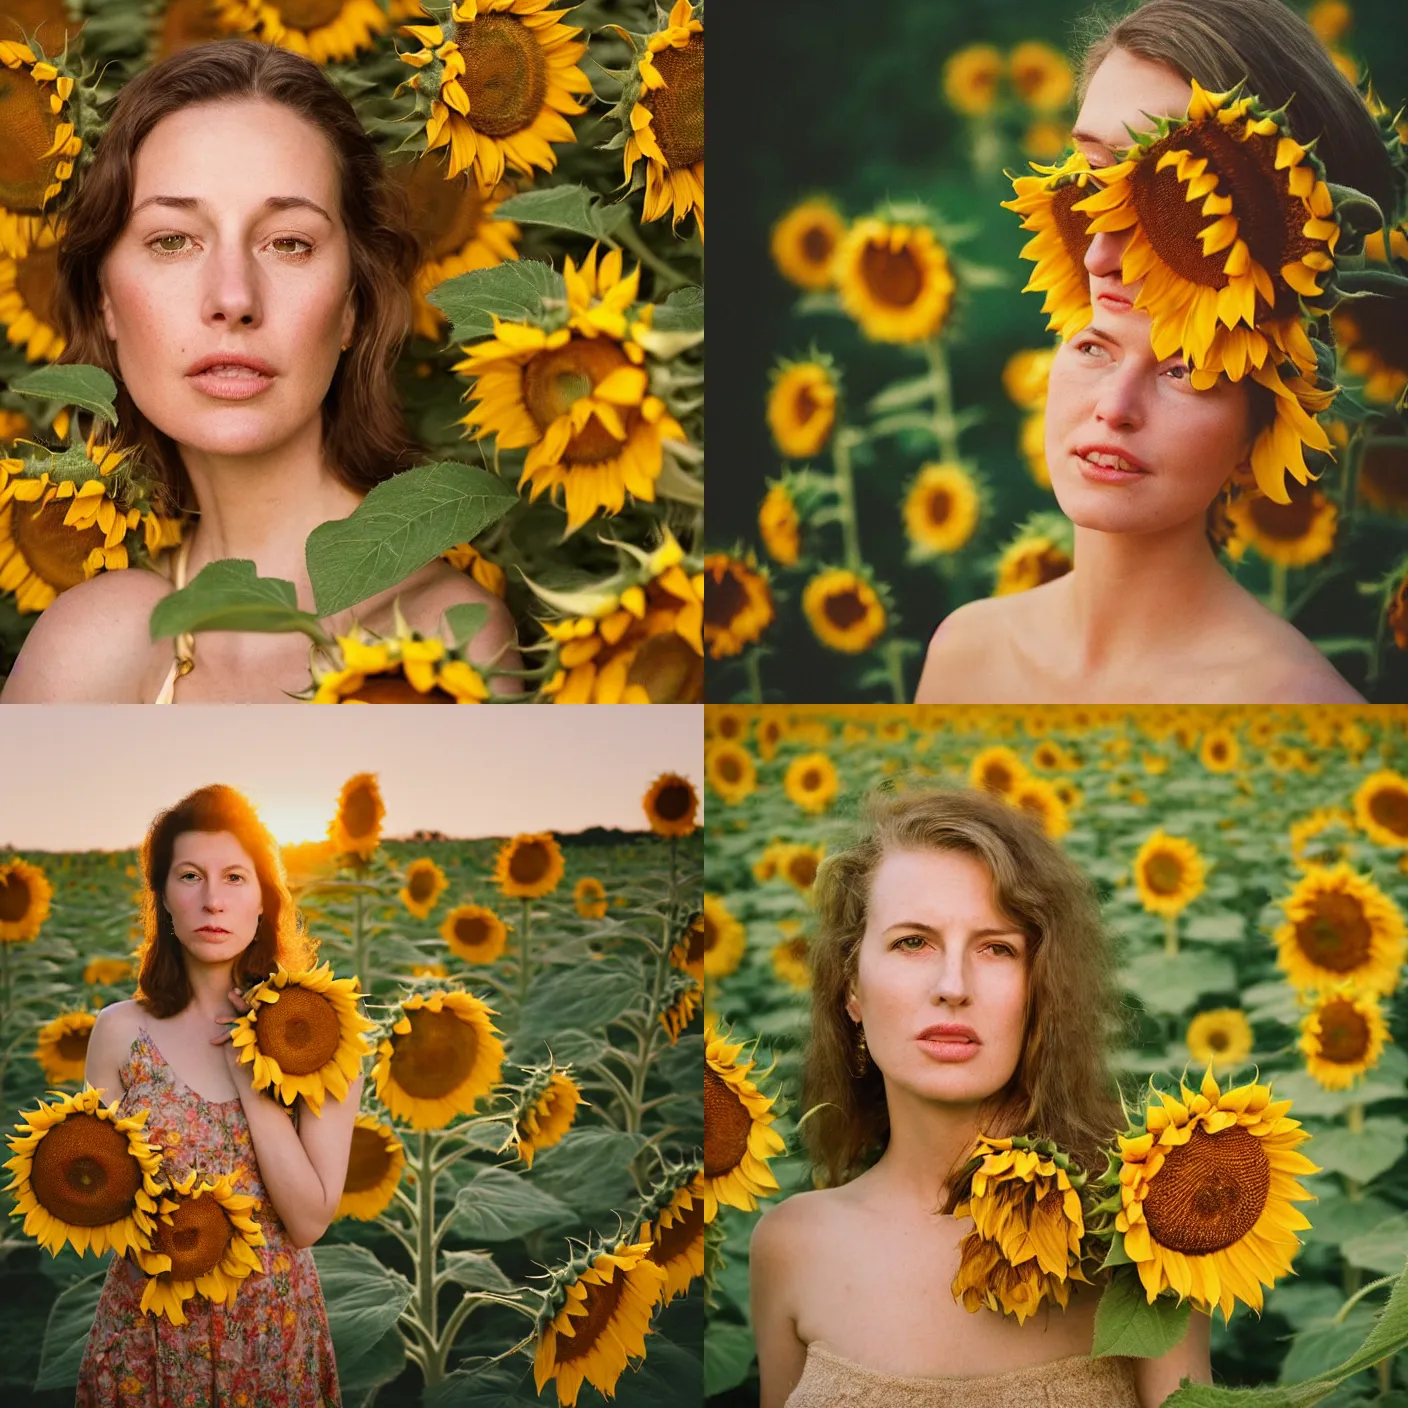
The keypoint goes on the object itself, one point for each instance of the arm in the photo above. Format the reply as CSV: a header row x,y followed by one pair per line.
x,y
1192,1359
304,1169
108,1044
781,1355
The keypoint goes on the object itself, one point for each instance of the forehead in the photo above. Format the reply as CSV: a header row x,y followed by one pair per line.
x,y
210,849
1126,91
239,151
930,886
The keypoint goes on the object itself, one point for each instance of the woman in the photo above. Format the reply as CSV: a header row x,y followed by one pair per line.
x,y
1136,454
238,259
218,918
961,984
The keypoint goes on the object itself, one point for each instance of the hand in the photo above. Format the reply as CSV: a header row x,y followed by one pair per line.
x,y
228,1023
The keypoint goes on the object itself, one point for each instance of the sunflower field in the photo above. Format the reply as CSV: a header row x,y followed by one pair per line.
x,y
527,1147
1252,867
890,373
553,161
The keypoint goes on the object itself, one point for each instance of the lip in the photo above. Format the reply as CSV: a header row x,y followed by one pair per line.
x,y
1112,295
230,388
950,1041
211,929
1109,474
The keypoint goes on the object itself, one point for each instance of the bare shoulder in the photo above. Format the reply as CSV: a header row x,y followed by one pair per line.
x,y
1278,665
962,645
93,644
115,1028
789,1227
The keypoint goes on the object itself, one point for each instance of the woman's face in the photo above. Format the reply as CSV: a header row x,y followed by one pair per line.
x,y
234,258
1131,446
941,978
212,894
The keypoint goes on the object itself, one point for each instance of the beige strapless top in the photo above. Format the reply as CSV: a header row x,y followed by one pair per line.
x,y
828,1381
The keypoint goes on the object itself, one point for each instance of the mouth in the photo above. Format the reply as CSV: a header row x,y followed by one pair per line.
x,y
1106,464
212,930
231,378
949,1042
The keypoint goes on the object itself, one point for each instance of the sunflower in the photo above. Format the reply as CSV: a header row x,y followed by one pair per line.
x,y
1329,19
63,1047
667,119
1369,332
971,77
679,1003
1041,552
1041,76
804,242
1045,140
1046,202
41,145
894,280
465,557
721,937
406,668
1219,750
499,86
306,863
1383,476
670,805
545,1114
425,883
374,1169
738,604
769,734
595,1319
811,781
458,231
640,645
1380,808
203,1244
326,31
27,286
576,397
997,769
791,961
474,933
356,829
738,1135
1026,1208
1397,619
184,24
730,771
1221,1037
25,893
82,1175
802,407
780,526
1026,375
1207,1191
1340,927
941,508
303,1036
442,1056
103,972
590,898
798,866
1041,801
529,866
688,952
1169,874
1342,1036
1294,534
845,611
674,1229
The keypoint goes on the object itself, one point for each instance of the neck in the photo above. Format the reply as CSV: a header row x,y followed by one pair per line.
x,y
263,507
927,1140
210,988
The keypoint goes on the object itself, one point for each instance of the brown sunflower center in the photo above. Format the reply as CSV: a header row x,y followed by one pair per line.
x,y
1344,1034
997,777
369,1162
1163,873
195,1239
668,670
36,278
529,862
184,23
29,128
938,507
844,608
396,689
359,813
1285,523
435,1056
811,780
817,244
725,597
1071,224
472,930
448,213
1389,807
45,19
802,869
728,769
727,1123
555,380
1219,1040
676,1239
505,73
300,1031
1335,934
73,1046
891,276
308,14
588,1329
674,801
1209,1192
703,937
677,109
55,554
1217,751
14,897
805,404
84,1173
1034,804
422,884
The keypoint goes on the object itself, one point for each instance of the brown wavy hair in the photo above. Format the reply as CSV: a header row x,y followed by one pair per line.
x,y
1221,42
365,438
163,986
1062,1088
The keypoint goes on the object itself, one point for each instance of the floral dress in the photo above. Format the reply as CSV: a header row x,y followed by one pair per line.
x,y
271,1349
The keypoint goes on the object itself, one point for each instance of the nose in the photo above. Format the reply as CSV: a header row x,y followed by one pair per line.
x,y
951,979
1105,255
232,294
1120,401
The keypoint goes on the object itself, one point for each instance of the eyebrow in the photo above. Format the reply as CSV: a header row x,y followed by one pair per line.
x,y
273,203
196,865
976,933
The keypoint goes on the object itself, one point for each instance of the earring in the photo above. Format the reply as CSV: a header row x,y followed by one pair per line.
x,y
862,1051
346,345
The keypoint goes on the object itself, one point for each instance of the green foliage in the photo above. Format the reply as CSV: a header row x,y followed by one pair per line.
x,y
1125,1322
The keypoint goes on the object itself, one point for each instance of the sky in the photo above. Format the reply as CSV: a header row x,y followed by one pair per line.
x,y
92,778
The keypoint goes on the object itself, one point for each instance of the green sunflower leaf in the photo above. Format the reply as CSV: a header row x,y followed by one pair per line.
x,y
66,1335
405,522
728,1357
573,208
497,1205
76,384
1362,1156
229,595
1125,1322
682,311
364,1299
517,291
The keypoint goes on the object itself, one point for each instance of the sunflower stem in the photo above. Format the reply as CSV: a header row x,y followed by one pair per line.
x,y
425,1259
626,235
1355,1118
892,653
846,499
755,675
1360,1294
1171,935
1277,599
1385,1370
359,941
945,426
523,961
